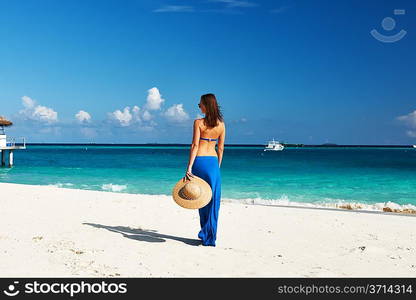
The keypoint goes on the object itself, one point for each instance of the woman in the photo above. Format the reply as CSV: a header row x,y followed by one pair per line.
x,y
205,163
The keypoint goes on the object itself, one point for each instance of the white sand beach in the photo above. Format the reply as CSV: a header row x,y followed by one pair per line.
x,y
58,232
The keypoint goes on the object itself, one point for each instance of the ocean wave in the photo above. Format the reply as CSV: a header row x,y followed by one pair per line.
x,y
327,203
60,184
3,172
330,203
113,187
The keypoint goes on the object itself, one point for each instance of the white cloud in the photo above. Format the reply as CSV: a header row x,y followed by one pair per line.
x,y
175,8
236,3
144,117
241,120
411,133
83,116
176,113
123,117
129,116
228,7
136,112
199,116
37,112
28,102
147,116
154,99
44,113
409,119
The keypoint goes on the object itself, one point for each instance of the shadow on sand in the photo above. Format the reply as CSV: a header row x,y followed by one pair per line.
x,y
151,236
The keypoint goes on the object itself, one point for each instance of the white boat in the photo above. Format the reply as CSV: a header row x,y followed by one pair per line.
x,y
274,146
414,146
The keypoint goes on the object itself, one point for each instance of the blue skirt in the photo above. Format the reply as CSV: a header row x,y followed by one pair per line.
x,y
207,168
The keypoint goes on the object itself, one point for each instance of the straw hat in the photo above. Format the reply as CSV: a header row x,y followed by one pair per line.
x,y
193,193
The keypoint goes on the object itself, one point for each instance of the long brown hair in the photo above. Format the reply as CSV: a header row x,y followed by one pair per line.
x,y
212,110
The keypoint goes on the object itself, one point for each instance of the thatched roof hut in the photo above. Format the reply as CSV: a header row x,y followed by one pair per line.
x,y
5,122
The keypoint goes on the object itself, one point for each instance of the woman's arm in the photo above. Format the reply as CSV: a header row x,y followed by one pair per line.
x,y
220,150
194,145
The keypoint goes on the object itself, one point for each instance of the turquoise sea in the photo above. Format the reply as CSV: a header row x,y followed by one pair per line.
x,y
304,175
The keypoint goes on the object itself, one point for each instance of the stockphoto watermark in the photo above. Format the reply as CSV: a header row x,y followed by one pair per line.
x,y
71,289
389,24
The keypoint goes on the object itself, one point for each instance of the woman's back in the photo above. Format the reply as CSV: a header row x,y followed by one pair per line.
x,y
205,162
206,145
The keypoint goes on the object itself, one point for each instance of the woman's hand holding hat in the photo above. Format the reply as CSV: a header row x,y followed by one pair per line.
x,y
188,174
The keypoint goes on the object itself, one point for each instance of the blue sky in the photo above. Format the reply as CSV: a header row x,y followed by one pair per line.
x,y
133,71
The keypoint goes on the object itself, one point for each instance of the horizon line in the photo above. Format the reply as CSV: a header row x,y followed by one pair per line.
x,y
232,145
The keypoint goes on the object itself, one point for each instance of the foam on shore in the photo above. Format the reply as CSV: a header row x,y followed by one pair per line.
x,y
389,206
331,203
